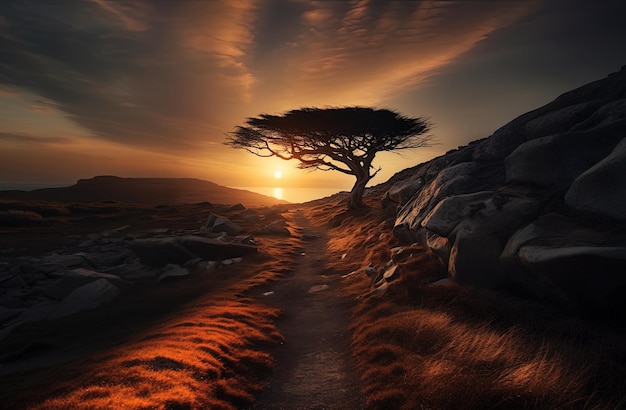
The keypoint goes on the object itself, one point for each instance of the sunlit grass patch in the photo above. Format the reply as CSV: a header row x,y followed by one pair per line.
x,y
443,361
212,359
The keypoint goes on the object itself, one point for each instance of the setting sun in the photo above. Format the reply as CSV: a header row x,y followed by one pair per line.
x,y
278,174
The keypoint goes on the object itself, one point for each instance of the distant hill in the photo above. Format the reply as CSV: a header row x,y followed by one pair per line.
x,y
151,191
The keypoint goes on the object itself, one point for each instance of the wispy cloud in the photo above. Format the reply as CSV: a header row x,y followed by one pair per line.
x,y
34,140
364,50
173,77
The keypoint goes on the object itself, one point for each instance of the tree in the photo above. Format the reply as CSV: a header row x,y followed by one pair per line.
x,y
342,139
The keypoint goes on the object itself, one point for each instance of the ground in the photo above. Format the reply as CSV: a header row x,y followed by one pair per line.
x,y
297,326
314,367
286,292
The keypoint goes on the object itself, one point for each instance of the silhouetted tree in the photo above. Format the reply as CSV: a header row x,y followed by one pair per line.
x,y
342,139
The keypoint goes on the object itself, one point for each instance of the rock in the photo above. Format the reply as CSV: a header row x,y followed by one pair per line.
x,y
237,207
380,290
134,270
457,180
158,252
277,228
216,223
212,249
557,160
558,121
590,275
86,297
75,278
371,271
55,261
401,192
447,214
40,311
478,241
602,188
173,271
391,273
7,315
192,262
318,288
231,261
250,216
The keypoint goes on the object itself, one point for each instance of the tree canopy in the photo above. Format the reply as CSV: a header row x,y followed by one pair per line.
x,y
344,139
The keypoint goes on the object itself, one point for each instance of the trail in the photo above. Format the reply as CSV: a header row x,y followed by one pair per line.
x,y
314,367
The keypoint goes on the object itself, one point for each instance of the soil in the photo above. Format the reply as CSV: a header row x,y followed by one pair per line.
x,y
314,367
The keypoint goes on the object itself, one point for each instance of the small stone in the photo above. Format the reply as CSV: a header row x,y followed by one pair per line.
x,y
370,271
318,288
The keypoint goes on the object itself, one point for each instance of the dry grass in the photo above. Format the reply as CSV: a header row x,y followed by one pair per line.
x,y
214,358
18,217
432,347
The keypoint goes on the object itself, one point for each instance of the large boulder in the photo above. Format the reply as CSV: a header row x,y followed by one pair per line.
x,y
605,180
557,160
588,275
216,223
159,252
479,240
88,296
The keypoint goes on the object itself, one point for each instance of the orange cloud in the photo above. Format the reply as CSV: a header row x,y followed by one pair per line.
x,y
362,55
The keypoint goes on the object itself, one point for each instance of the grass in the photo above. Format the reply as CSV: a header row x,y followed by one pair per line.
x,y
18,217
212,359
424,346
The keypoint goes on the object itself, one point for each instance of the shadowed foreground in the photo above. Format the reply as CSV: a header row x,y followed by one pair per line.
x,y
301,326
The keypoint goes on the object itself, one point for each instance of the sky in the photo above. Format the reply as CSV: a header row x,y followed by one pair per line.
x,y
151,88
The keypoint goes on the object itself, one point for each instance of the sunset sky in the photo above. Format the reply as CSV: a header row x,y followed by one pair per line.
x,y
151,88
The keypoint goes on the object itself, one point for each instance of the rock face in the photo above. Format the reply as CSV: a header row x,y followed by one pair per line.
x,y
538,207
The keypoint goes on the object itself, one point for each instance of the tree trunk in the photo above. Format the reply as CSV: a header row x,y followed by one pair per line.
x,y
356,194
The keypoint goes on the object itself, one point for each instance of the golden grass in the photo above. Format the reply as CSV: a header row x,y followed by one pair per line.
x,y
444,346
211,359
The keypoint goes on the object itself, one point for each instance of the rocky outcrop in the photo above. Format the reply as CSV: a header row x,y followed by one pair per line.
x,y
102,266
538,207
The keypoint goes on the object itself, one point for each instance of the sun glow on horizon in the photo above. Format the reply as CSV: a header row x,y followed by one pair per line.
x,y
278,193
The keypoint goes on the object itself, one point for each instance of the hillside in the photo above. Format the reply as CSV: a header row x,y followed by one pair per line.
x,y
150,191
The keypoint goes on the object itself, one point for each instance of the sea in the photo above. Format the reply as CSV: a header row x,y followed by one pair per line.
x,y
295,195
31,186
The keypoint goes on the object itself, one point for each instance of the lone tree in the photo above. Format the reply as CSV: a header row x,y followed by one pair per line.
x,y
343,139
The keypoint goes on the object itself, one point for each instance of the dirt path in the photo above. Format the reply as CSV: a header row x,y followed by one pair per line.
x,y
314,367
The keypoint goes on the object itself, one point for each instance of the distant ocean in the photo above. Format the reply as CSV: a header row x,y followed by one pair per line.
x,y
30,186
295,195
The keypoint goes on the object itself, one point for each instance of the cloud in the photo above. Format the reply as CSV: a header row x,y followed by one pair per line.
x,y
169,76
34,140
361,52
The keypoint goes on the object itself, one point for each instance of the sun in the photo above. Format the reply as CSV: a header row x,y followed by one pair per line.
x,y
278,174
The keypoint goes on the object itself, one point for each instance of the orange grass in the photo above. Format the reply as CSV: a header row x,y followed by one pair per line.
x,y
211,359
434,347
